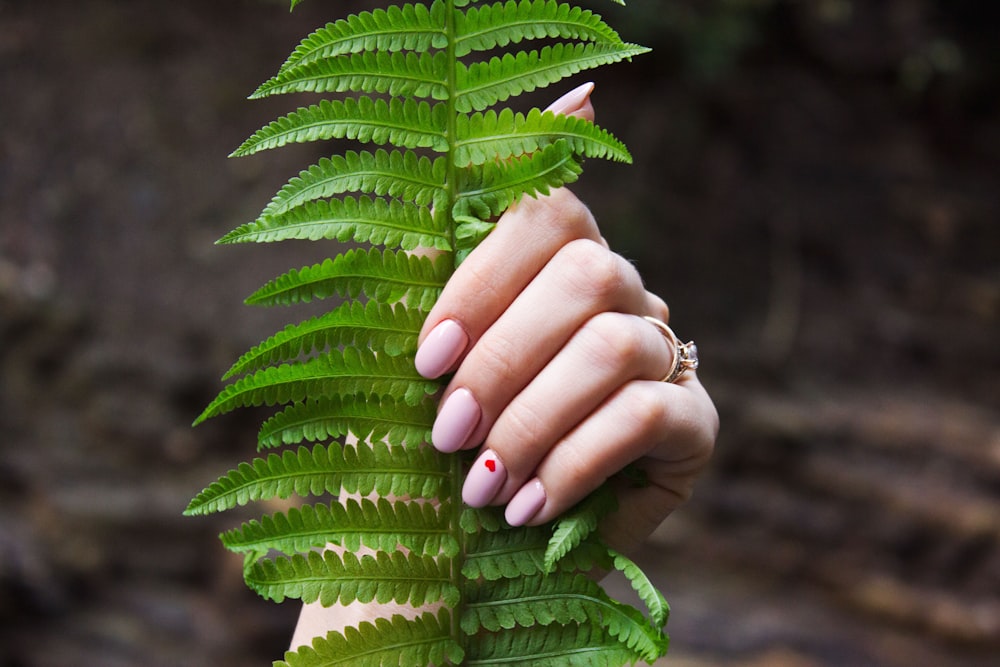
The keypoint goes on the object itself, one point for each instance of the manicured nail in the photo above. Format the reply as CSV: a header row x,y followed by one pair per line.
x,y
484,480
525,503
455,422
573,100
441,349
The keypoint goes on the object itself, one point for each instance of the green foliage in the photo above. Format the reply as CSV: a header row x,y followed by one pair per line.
x,y
352,427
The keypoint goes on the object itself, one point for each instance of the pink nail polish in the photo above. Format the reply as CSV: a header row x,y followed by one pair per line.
x,y
525,503
456,421
573,100
441,349
484,480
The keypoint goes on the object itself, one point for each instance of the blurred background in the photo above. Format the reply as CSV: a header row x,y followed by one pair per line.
x,y
815,192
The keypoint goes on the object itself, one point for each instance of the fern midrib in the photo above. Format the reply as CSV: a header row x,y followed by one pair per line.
x,y
451,183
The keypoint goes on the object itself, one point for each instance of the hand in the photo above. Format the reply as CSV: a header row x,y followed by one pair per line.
x,y
557,374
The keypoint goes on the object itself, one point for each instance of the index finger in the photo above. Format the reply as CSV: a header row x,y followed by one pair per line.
x,y
525,239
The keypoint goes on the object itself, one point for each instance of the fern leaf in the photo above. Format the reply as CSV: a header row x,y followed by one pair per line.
x,y
578,523
521,552
491,188
425,640
419,527
389,329
331,578
490,26
475,519
558,598
383,276
484,137
326,469
658,607
506,554
400,174
412,27
347,372
367,417
483,84
399,74
377,221
571,645
405,123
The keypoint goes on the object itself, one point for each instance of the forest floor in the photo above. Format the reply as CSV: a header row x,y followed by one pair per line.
x,y
829,238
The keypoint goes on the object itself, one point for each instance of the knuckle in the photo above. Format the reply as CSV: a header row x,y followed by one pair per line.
x,y
593,272
645,412
614,340
494,358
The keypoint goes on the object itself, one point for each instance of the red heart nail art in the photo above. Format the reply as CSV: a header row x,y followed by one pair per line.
x,y
491,464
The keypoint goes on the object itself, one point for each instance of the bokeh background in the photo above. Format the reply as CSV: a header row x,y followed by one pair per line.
x,y
815,192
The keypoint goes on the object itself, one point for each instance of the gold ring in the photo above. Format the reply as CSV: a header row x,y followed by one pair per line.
x,y
685,357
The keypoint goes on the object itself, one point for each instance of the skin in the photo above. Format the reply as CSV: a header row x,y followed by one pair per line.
x,y
553,349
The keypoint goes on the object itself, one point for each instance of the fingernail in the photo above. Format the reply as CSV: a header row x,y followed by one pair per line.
x,y
484,480
441,349
525,503
455,422
573,100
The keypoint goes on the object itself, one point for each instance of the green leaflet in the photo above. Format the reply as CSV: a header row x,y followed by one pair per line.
x,y
329,577
366,417
559,598
389,329
576,525
326,469
420,85
426,640
657,605
570,645
400,174
364,220
420,528
385,277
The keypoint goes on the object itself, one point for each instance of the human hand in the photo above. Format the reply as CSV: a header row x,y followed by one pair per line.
x,y
557,374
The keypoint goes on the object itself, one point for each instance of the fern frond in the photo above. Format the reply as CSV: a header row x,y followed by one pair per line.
x,y
400,174
425,640
659,610
481,85
571,645
413,84
389,329
484,137
559,598
337,373
389,223
411,27
326,469
369,418
404,123
381,524
383,276
330,578
489,26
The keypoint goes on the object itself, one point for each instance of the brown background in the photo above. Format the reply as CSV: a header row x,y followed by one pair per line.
x,y
815,193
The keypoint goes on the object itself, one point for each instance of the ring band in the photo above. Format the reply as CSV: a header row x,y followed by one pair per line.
x,y
685,357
